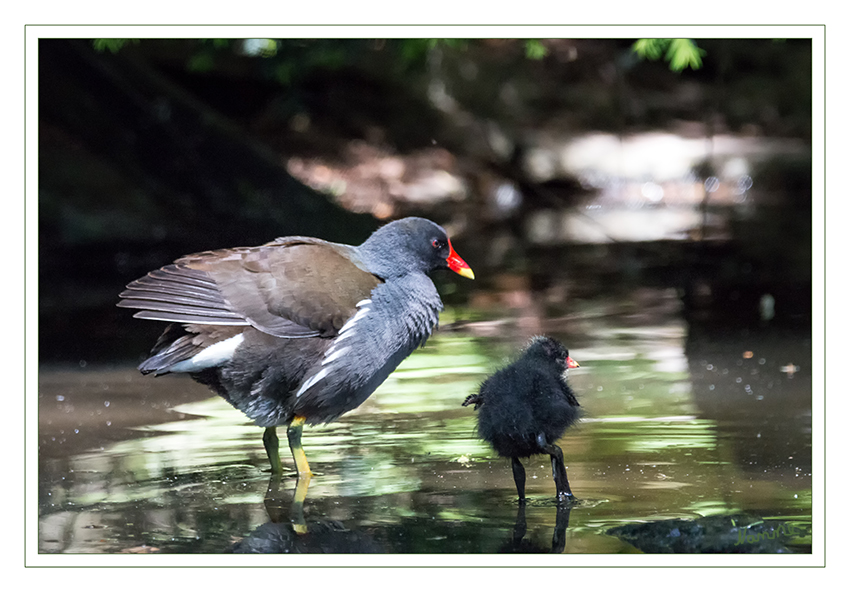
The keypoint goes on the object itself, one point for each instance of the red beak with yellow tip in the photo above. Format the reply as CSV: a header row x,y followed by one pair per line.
x,y
458,265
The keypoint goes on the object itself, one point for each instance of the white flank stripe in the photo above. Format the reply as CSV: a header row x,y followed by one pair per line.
x,y
362,302
313,380
214,355
343,336
360,314
330,358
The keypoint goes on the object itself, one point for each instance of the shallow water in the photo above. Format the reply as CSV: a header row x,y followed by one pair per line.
x,y
677,425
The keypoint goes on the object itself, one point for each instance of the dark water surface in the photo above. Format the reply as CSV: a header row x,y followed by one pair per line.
x,y
678,425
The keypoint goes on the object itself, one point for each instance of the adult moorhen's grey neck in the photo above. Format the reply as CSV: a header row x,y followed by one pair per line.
x,y
298,330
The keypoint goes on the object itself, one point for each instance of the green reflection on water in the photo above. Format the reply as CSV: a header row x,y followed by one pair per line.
x,y
409,461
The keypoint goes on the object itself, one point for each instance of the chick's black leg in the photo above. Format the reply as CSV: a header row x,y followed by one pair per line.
x,y
559,471
519,477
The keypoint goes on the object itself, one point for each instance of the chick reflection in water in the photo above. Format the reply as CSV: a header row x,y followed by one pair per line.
x,y
525,407
518,544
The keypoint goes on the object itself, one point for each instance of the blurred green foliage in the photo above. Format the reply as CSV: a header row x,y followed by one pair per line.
x,y
298,55
535,50
413,51
112,45
680,53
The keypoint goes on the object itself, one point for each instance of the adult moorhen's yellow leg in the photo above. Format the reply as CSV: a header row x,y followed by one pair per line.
x,y
293,432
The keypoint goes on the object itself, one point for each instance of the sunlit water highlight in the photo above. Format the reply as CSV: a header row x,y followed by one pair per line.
x,y
662,438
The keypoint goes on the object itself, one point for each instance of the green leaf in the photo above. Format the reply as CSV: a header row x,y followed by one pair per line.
x,y
535,50
112,45
650,49
684,53
680,53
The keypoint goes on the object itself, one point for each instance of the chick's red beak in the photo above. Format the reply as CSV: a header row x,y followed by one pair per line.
x,y
571,363
458,265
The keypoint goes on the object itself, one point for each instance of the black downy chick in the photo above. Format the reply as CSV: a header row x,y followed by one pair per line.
x,y
524,408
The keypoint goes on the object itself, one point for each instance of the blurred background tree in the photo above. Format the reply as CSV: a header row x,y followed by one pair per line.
x,y
153,148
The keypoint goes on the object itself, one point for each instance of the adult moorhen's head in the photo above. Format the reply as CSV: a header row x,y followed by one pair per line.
x,y
411,245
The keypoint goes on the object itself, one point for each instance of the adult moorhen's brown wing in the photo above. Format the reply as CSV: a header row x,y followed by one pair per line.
x,y
291,287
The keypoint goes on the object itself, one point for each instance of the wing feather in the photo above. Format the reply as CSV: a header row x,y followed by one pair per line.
x,y
291,287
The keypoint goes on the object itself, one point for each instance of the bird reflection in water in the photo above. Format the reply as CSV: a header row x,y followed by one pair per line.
x,y
287,531
295,535
518,544
275,505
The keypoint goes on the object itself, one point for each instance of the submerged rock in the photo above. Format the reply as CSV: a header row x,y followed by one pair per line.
x,y
737,533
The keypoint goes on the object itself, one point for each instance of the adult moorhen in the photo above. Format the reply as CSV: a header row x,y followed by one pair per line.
x,y
299,330
525,407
